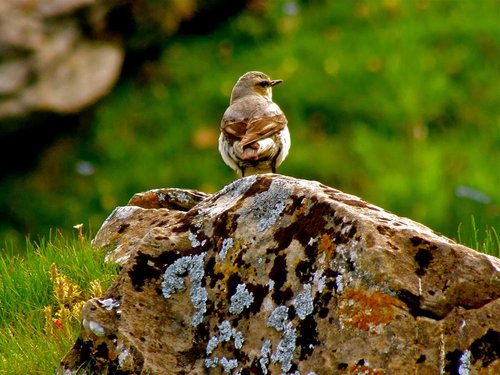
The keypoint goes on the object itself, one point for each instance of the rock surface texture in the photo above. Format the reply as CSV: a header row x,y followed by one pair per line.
x,y
274,275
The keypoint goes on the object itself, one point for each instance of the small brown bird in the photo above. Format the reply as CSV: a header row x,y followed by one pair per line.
x,y
254,135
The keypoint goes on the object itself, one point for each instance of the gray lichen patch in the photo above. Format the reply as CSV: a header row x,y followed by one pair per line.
x,y
194,240
227,197
227,364
199,297
241,299
465,363
109,303
270,284
178,195
238,187
278,318
173,282
226,333
265,354
227,244
304,302
285,349
267,206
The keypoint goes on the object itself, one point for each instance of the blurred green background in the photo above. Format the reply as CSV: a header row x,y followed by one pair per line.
x,y
395,101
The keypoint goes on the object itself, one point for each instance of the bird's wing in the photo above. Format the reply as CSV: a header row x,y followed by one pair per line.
x,y
263,127
234,128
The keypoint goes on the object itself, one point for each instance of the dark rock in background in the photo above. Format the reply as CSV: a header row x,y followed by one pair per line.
x,y
48,64
61,56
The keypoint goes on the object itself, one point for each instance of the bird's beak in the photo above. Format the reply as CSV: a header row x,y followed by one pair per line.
x,y
274,82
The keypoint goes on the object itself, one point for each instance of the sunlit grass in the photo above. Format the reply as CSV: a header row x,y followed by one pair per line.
x,y
487,241
42,290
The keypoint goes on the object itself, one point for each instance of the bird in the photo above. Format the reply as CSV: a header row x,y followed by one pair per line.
x,y
254,136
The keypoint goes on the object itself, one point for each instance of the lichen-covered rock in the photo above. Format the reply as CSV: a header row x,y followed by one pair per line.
x,y
274,275
154,208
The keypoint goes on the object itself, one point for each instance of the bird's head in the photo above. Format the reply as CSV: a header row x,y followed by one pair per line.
x,y
254,83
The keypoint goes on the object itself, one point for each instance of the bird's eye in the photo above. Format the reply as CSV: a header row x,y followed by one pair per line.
x,y
263,83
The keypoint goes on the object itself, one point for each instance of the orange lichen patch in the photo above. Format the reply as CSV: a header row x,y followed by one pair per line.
x,y
302,210
368,311
148,199
327,246
304,207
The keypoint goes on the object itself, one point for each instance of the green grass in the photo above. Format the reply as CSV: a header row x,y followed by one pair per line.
x,y
29,342
487,241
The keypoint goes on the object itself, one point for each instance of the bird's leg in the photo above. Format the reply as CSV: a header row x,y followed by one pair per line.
x,y
273,165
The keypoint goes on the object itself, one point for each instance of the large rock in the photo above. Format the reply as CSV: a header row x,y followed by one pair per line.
x,y
275,275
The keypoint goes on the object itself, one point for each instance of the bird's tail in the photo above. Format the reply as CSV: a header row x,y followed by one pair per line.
x,y
262,149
